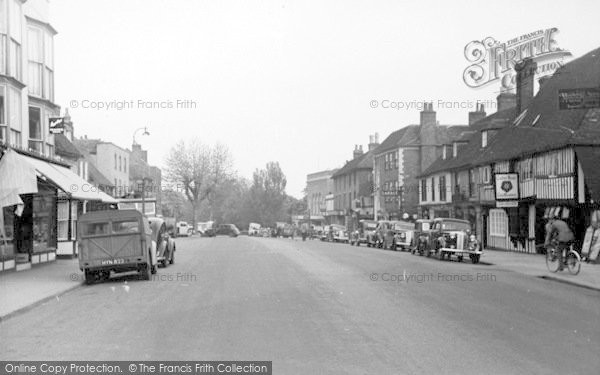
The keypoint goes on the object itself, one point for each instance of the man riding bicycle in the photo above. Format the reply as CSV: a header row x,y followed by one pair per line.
x,y
559,230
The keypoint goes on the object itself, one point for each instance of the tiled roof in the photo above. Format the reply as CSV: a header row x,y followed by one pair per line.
x,y
543,127
410,136
468,153
64,147
364,161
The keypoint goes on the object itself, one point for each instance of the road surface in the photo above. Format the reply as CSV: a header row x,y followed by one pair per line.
x,y
320,308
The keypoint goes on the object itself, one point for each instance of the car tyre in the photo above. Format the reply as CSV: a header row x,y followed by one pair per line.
x,y
90,277
172,260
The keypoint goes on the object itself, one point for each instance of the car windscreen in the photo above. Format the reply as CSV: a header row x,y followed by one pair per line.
x,y
95,229
455,226
125,226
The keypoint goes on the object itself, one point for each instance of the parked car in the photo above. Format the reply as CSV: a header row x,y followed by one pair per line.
x,y
421,236
254,229
206,229
182,229
165,245
227,230
114,242
364,233
401,235
340,233
288,231
451,236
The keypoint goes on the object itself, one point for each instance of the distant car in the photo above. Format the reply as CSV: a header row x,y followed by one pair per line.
x,y
365,230
254,229
421,235
402,234
182,229
340,233
227,230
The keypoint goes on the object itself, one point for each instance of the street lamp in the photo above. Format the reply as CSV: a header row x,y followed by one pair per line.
x,y
145,129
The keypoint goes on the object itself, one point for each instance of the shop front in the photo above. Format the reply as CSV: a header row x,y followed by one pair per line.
x,y
39,214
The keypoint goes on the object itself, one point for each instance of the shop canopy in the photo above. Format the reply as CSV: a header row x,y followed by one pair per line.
x,y
67,181
16,178
589,157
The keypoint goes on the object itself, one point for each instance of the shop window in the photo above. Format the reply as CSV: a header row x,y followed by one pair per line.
x,y
6,243
73,221
44,232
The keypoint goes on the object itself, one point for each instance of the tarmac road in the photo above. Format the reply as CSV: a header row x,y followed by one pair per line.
x,y
319,308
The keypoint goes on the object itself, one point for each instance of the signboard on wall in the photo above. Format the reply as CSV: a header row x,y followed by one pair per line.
x,y
507,186
56,125
505,204
583,98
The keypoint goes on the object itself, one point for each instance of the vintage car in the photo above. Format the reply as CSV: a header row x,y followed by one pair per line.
x,y
182,229
402,233
394,234
114,242
365,231
340,233
165,245
421,236
449,237
227,230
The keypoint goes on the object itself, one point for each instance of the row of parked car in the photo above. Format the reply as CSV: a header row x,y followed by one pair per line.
x,y
441,237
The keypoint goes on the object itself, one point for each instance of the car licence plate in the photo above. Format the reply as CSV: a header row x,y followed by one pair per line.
x,y
112,261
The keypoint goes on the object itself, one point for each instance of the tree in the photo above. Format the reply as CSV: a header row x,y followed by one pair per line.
x,y
267,194
197,169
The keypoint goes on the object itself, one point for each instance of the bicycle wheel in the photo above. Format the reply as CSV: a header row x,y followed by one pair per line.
x,y
573,262
552,261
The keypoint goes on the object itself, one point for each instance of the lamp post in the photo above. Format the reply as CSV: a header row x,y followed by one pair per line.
x,y
143,179
146,132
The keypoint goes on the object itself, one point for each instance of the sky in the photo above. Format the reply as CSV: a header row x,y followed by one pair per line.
x,y
298,82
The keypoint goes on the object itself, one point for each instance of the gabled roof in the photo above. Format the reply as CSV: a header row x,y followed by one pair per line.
x,y
543,125
364,161
468,153
410,136
64,147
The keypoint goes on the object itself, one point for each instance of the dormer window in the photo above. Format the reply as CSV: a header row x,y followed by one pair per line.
x,y
484,138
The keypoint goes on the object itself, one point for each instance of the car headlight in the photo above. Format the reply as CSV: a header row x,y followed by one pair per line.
x,y
472,237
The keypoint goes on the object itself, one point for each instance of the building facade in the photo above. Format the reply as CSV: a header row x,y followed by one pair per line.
x,y
403,156
318,186
546,158
353,187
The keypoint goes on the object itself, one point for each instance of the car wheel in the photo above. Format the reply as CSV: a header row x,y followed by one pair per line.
x,y
90,277
145,271
441,255
172,260
460,258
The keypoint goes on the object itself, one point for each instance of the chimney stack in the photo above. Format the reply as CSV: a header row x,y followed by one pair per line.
x,y
478,114
427,134
373,141
525,79
357,152
506,100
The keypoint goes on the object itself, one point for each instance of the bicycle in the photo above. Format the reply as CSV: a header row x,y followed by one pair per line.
x,y
570,258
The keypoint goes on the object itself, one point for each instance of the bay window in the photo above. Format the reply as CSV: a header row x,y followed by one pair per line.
x,y
36,142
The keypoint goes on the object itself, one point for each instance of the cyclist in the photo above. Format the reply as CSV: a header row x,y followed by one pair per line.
x,y
559,229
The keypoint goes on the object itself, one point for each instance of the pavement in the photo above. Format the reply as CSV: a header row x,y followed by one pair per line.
x,y
313,307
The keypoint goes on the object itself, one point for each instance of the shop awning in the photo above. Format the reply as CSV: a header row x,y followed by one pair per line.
x,y
589,157
17,178
73,185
